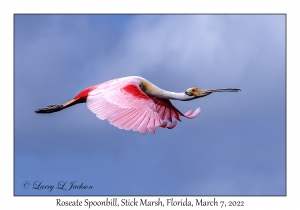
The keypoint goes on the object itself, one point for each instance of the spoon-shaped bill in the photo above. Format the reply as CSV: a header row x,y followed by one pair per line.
x,y
225,90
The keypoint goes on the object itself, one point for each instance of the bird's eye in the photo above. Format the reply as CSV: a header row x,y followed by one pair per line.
x,y
189,93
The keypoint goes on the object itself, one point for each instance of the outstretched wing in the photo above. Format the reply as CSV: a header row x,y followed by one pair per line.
x,y
166,110
126,106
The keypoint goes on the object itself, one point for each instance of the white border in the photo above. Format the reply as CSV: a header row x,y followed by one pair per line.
x,y
8,8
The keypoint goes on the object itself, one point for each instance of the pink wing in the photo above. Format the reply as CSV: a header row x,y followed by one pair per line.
x,y
126,106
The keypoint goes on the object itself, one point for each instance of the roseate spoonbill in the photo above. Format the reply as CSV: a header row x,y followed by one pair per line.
x,y
134,103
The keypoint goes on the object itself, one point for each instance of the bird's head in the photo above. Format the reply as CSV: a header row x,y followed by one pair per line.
x,y
198,92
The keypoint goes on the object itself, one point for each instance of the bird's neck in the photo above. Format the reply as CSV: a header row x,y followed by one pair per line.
x,y
152,90
172,95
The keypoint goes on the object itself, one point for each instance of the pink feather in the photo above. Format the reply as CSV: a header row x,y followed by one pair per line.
x,y
126,106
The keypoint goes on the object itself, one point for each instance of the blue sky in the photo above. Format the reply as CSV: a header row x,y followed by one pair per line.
x,y
236,146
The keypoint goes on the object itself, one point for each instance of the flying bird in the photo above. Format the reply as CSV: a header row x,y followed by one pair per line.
x,y
134,103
